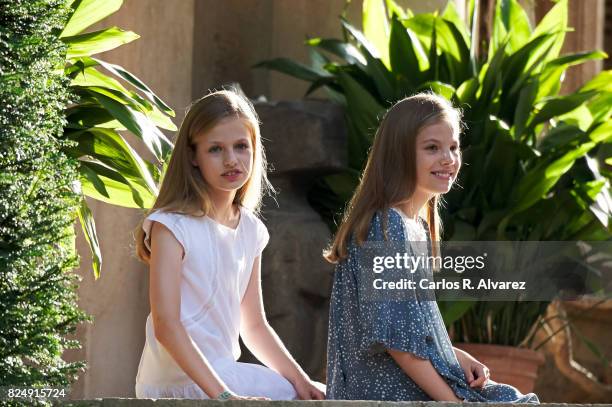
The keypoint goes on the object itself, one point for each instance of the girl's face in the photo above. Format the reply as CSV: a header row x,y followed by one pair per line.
x,y
438,158
224,155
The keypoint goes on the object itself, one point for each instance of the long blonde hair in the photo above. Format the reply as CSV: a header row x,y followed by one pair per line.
x,y
183,189
389,177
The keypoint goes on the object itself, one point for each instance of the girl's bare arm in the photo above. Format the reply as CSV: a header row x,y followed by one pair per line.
x,y
422,372
265,344
164,295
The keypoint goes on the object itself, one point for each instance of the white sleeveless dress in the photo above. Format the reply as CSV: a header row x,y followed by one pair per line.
x,y
215,273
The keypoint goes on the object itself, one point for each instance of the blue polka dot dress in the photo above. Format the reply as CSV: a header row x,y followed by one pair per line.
x,y
365,322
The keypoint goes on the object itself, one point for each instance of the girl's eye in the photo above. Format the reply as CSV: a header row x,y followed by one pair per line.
x,y
242,146
214,149
432,147
455,148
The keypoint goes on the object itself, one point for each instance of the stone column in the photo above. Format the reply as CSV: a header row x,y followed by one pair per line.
x,y
587,18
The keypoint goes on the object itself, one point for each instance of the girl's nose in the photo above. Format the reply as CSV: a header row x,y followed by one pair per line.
x,y
229,159
448,157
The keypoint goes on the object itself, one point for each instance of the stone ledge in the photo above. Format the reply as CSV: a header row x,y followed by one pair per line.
x,y
124,402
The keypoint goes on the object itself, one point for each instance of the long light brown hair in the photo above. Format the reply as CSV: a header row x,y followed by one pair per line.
x,y
183,189
390,174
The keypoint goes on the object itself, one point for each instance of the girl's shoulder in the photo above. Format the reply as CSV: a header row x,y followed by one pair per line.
x,y
254,227
386,225
163,214
175,222
250,219
171,220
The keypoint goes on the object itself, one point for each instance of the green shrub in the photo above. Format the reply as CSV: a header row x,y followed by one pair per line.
x,y
37,202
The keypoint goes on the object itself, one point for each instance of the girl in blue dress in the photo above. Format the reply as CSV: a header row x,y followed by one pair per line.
x,y
387,343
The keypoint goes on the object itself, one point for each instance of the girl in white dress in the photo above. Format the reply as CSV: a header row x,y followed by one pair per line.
x,y
203,241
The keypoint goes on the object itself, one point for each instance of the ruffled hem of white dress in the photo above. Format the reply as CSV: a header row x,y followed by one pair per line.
x,y
187,391
245,379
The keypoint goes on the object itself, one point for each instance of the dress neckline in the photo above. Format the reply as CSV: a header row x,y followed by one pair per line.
x,y
225,227
419,220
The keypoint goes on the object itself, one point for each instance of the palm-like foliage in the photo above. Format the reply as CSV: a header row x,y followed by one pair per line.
x,y
533,157
110,168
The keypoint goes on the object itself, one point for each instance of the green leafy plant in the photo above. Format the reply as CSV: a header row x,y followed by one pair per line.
x,y
38,303
110,169
534,159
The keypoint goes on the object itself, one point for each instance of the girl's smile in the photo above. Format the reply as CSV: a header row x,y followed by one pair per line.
x,y
444,176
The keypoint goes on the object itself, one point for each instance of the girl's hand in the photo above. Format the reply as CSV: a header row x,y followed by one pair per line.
x,y
307,390
476,373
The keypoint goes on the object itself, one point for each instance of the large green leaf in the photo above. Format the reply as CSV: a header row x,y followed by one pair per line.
x,y
395,9
89,231
107,185
517,68
361,39
601,82
363,111
90,77
553,71
88,12
543,177
449,41
467,90
524,107
383,79
555,21
502,159
406,53
111,149
561,137
376,28
451,14
443,89
86,115
510,20
558,106
578,58
491,74
602,133
291,68
84,45
138,84
134,121
449,38
344,50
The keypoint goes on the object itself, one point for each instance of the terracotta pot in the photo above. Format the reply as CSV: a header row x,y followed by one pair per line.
x,y
515,366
